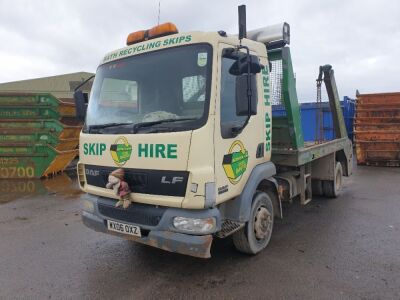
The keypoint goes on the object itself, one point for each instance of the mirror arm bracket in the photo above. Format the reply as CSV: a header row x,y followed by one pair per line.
x,y
249,91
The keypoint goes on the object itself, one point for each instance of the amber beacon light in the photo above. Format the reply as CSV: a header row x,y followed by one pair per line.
x,y
152,33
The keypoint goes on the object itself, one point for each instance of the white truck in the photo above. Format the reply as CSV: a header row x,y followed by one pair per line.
x,y
185,121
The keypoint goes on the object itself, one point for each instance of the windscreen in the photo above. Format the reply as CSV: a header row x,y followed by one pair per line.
x,y
170,84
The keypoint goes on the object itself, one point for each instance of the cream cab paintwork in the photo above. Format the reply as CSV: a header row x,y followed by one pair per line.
x,y
251,136
200,151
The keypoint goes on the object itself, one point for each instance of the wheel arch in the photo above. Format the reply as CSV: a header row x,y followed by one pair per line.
x,y
271,187
261,178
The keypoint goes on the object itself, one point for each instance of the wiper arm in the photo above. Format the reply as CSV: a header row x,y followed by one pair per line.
x,y
148,124
107,125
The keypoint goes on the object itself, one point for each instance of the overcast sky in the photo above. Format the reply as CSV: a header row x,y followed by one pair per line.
x,y
359,38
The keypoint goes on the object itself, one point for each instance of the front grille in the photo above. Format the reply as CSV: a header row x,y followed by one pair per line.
x,y
136,213
143,181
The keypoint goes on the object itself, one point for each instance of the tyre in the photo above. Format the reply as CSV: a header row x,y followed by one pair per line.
x,y
316,187
332,188
255,235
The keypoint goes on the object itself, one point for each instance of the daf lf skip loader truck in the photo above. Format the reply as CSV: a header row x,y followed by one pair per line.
x,y
180,146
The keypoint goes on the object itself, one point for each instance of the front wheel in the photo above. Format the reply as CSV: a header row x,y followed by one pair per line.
x,y
255,235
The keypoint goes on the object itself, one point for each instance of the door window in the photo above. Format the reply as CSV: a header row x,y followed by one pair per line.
x,y
229,119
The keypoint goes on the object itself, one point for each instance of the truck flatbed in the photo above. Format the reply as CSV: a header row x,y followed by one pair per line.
x,y
311,151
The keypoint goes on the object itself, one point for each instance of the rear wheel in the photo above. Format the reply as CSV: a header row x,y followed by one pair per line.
x,y
255,235
332,188
316,187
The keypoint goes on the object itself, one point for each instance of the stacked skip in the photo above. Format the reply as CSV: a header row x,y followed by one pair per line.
x,y
34,139
377,129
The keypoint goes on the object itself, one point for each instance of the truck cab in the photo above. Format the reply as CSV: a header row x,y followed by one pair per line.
x,y
187,117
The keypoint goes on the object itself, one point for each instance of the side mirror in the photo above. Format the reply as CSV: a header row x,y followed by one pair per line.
x,y
80,105
241,97
241,65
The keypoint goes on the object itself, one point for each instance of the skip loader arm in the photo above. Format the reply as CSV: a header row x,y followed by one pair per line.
x,y
326,73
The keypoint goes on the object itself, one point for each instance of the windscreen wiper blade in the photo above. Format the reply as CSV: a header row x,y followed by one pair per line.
x,y
107,125
151,123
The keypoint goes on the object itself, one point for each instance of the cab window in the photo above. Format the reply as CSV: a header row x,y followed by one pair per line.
x,y
118,92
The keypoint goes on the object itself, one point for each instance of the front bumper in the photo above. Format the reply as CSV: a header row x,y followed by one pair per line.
x,y
155,223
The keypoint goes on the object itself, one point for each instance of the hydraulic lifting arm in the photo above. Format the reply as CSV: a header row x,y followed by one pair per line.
x,y
326,73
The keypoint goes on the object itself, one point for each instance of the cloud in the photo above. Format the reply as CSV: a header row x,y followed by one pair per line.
x,y
360,39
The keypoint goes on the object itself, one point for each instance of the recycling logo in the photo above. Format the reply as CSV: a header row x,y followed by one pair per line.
x,y
235,162
121,151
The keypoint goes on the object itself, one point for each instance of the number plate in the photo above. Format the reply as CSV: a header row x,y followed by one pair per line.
x,y
123,228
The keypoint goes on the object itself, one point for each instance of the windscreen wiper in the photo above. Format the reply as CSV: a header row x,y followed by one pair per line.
x,y
148,124
107,125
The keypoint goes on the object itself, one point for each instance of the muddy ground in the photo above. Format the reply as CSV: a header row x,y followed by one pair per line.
x,y
345,248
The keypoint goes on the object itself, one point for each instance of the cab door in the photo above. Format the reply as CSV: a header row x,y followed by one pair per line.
x,y
236,153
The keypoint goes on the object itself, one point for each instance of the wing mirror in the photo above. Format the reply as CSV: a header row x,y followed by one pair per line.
x,y
80,105
244,64
246,104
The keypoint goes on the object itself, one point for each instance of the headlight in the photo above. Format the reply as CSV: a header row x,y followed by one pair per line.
x,y
88,206
192,225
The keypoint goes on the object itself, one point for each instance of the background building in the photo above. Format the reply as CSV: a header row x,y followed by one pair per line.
x,y
61,86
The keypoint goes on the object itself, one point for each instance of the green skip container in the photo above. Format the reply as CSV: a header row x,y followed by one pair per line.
x,y
29,106
33,140
54,127
32,160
